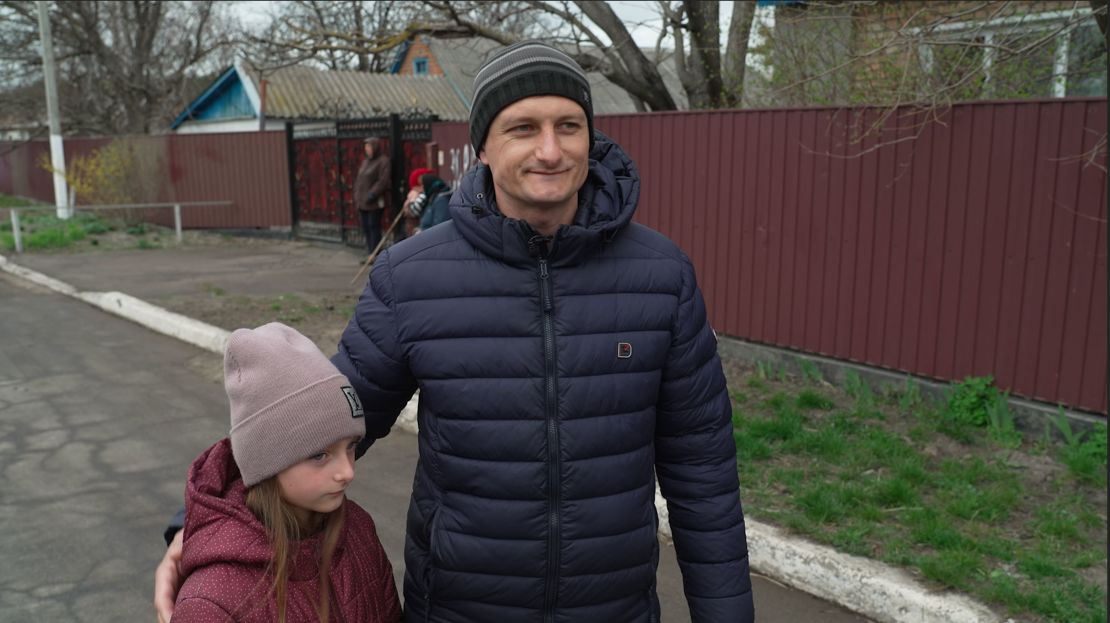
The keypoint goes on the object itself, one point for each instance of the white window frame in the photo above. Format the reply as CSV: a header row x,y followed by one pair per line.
x,y
1030,22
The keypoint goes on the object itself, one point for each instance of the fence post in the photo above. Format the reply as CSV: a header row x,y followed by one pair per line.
x,y
15,231
177,221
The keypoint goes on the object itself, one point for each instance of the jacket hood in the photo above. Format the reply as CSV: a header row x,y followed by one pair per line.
x,y
219,528
606,204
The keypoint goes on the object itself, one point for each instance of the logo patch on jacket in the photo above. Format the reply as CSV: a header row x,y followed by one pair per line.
x,y
352,401
624,350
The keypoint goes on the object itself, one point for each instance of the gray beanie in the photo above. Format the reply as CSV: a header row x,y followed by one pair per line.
x,y
521,70
288,401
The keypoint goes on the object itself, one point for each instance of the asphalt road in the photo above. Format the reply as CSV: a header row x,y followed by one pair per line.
x,y
99,419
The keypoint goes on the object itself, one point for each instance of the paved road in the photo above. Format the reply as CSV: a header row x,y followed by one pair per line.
x,y
99,419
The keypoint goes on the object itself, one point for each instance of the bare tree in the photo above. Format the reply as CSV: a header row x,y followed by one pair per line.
x,y
336,34
124,67
358,35
601,42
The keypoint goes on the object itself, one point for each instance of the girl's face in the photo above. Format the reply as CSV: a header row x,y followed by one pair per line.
x,y
318,482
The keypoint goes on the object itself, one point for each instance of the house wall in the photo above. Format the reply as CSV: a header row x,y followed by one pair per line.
x,y
972,246
228,125
419,47
827,54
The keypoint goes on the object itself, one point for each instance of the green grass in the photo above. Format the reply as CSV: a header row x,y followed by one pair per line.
x,y
930,486
42,230
9,201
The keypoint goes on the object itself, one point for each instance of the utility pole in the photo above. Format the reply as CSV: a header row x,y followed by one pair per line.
x,y
57,149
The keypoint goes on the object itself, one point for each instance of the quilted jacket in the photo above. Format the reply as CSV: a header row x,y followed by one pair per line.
x,y
558,378
226,553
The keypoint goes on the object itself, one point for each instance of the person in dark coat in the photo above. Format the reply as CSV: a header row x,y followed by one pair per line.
x,y
371,187
269,534
565,367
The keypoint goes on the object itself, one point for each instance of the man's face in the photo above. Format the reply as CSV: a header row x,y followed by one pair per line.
x,y
538,152
368,149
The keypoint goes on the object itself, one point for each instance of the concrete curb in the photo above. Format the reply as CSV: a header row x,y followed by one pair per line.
x,y
877,591
175,325
880,592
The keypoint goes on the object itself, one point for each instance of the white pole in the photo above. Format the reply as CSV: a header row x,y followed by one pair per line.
x,y
177,221
57,149
15,231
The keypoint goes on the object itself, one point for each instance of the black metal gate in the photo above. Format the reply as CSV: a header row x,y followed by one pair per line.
x,y
326,161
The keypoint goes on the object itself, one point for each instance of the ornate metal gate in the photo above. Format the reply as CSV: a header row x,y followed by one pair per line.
x,y
326,162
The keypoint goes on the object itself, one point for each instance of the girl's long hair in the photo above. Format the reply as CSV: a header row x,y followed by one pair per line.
x,y
265,501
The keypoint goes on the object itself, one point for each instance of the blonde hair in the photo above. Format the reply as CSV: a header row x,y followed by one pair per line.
x,y
265,501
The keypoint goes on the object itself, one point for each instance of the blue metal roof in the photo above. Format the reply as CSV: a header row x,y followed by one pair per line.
x,y
399,57
226,98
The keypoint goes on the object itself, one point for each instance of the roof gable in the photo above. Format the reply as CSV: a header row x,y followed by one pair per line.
x,y
225,98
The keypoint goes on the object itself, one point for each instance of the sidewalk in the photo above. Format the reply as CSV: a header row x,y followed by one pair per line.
x,y
273,268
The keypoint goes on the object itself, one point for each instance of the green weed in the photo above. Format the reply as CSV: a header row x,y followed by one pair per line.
x,y
1083,454
764,370
810,371
1001,421
971,399
910,396
809,399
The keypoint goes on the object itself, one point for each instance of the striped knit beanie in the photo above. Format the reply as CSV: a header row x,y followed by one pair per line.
x,y
521,70
288,402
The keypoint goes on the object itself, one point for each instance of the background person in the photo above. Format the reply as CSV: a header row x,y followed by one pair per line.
x,y
371,187
432,202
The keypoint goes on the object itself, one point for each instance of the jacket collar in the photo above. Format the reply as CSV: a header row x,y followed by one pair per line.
x,y
606,204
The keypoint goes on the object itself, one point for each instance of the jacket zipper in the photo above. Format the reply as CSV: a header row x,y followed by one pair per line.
x,y
551,417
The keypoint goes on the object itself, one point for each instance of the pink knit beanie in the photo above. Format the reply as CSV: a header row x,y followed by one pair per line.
x,y
288,402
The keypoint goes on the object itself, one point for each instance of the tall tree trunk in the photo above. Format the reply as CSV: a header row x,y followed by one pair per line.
x,y
736,51
638,76
705,53
363,57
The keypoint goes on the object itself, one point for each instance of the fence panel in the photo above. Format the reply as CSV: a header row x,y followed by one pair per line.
x,y
971,244
248,168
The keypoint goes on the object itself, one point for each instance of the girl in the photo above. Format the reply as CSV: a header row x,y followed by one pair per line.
x,y
269,535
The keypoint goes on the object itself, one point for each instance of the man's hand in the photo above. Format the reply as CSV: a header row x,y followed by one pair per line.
x,y
167,579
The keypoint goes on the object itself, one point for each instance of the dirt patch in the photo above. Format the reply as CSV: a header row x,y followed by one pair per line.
x,y
320,316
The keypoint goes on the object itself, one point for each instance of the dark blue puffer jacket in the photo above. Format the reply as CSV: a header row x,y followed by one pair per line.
x,y
540,441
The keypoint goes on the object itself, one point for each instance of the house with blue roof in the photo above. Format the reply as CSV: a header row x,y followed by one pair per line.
x,y
245,99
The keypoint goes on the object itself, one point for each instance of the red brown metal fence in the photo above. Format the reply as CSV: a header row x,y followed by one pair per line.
x,y
249,169
972,243
969,244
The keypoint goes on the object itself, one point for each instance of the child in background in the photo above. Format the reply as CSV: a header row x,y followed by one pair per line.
x,y
412,218
269,534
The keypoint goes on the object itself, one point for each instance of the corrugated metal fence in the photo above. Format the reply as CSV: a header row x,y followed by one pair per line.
x,y
249,169
969,244
972,243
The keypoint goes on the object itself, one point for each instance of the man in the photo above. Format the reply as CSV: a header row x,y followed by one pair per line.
x,y
564,362
371,184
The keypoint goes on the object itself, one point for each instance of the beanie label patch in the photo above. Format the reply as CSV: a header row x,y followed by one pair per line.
x,y
352,401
